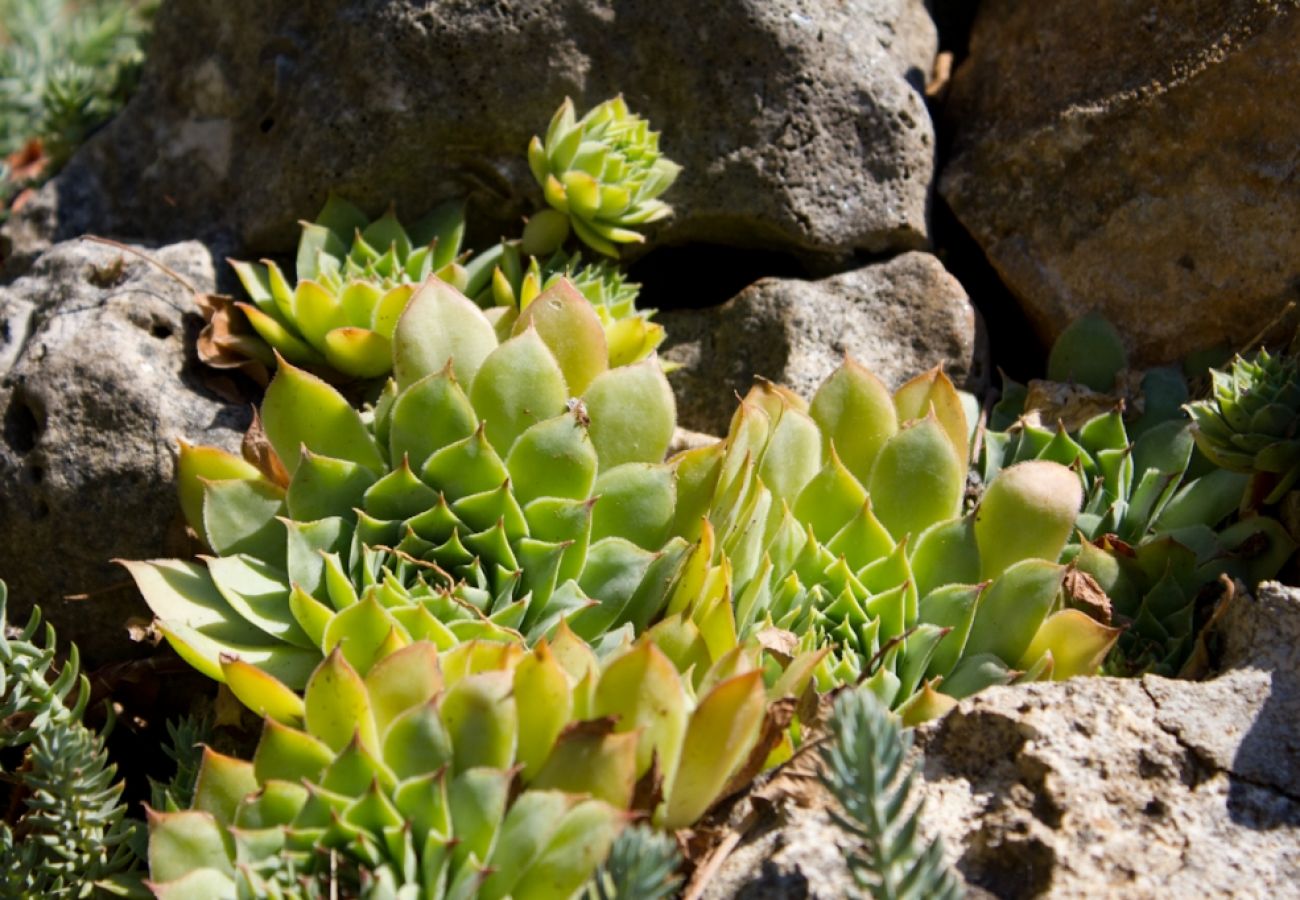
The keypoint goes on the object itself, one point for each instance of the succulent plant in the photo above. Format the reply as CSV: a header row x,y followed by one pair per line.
x,y
354,278
1251,423
1157,527
840,522
602,176
497,487
640,866
65,68
500,277
865,767
66,829
407,773
484,771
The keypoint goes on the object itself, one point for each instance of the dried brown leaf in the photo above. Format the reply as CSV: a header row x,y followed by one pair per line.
x,y
143,631
1082,592
779,642
649,790
257,450
227,341
776,720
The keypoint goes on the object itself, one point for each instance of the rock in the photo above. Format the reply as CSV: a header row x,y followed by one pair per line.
x,y
898,318
800,122
97,382
1144,788
1090,787
1134,158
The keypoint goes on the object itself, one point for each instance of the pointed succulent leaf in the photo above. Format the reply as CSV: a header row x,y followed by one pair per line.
x,y
856,415
1027,512
300,410
518,384
264,695
917,479
338,705
568,325
1088,352
1077,642
440,326
722,729
590,758
479,713
182,842
1014,606
632,414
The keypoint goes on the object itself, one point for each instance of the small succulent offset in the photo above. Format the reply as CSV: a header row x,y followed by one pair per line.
x,y
500,277
840,521
68,833
1251,423
602,175
355,276
499,486
864,766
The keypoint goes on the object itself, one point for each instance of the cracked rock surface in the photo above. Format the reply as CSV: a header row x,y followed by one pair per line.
x,y
96,384
1133,788
1093,787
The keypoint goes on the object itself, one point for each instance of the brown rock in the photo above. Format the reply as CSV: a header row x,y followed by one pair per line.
x,y
1132,788
1136,158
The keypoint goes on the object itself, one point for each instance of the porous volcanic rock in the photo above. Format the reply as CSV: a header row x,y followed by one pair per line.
x,y
800,123
898,318
97,383
1144,788
1137,158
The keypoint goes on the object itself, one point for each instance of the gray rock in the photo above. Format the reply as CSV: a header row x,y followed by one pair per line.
x,y
800,122
1135,158
1148,788
899,318
1090,787
96,384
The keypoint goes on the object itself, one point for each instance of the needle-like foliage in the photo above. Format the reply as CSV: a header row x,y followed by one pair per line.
x,y
642,865
864,765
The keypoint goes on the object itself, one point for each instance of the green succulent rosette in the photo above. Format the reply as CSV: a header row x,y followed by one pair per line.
x,y
483,771
506,479
840,522
354,278
1251,423
1156,528
396,784
503,277
602,175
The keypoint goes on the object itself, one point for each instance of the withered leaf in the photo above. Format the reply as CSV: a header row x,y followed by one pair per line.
x,y
649,790
227,341
777,719
1082,592
778,641
256,449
